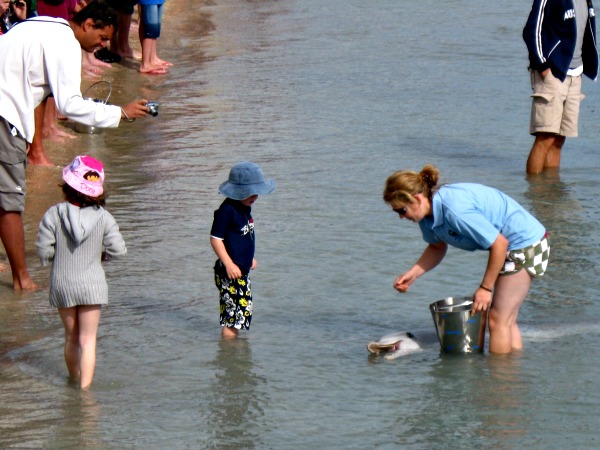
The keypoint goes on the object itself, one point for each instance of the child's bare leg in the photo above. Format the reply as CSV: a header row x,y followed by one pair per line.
x,y
89,318
229,332
69,320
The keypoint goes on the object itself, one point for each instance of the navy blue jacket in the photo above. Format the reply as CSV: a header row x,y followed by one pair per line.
x,y
550,34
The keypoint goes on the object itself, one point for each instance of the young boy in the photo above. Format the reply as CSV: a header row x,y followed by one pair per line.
x,y
232,239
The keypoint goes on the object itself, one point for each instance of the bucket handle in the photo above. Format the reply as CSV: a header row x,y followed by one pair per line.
x,y
97,83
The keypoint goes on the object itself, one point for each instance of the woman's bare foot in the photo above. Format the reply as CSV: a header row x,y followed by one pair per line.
x,y
162,62
153,70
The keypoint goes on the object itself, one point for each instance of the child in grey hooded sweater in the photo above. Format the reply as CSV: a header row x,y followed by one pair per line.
x,y
75,236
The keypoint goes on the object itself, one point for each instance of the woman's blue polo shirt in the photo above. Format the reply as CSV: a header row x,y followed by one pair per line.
x,y
470,216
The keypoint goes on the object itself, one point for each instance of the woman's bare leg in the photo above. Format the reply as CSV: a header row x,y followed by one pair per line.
x,y
509,293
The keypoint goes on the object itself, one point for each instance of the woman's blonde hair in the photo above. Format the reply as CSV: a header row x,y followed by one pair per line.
x,y
401,186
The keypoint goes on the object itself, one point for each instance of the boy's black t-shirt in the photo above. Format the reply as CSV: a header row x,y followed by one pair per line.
x,y
233,224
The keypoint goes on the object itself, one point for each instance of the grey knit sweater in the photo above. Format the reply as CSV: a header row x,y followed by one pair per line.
x,y
73,239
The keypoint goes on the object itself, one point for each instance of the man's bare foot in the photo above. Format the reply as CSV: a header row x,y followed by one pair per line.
x,y
39,162
25,284
38,158
4,267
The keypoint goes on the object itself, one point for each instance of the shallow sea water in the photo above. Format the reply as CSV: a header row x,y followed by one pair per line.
x,y
329,98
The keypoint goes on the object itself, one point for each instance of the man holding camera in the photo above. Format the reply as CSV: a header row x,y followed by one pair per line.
x,y
41,56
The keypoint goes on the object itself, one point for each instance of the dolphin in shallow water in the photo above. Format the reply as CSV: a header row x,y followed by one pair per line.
x,y
394,345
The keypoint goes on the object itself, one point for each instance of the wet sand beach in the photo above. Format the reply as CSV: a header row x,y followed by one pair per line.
x,y
329,98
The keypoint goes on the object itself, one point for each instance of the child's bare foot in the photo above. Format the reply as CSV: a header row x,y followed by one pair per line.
x,y
229,333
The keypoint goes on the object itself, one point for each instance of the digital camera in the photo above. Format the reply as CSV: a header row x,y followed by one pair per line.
x,y
153,107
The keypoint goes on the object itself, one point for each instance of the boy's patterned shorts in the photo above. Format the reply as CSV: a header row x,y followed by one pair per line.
x,y
533,258
235,299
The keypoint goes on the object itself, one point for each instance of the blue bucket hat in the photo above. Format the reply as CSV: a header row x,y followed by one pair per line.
x,y
245,180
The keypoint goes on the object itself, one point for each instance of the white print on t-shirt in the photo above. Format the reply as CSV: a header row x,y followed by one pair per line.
x,y
249,228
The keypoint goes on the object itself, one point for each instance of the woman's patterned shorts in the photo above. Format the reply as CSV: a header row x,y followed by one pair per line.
x,y
533,258
235,299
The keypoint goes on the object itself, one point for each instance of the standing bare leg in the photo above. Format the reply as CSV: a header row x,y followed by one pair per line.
x,y
13,238
509,293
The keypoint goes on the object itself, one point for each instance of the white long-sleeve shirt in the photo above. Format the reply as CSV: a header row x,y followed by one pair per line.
x,y
41,56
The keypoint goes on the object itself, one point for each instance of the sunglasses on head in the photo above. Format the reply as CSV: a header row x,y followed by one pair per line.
x,y
401,211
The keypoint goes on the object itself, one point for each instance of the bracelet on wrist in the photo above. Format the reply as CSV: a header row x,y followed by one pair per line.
x,y
484,288
126,118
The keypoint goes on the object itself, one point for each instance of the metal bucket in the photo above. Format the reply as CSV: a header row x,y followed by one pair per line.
x,y
89,129
458,331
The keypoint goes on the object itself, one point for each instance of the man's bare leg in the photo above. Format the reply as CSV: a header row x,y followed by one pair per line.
x,y
545,152
13,238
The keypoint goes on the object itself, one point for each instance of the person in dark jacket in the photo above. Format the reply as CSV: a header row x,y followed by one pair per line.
x,y
561,40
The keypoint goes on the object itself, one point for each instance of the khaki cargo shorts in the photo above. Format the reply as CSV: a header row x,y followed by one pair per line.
x,y
555,104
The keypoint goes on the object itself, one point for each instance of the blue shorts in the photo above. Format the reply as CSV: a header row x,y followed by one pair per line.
x,y
151,18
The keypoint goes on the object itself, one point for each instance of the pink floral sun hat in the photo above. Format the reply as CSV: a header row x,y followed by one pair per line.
x,y
86,175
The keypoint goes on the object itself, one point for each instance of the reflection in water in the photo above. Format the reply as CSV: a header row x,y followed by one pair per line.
x,y
237,405
470,398
500,399
64,417
81,412
554,204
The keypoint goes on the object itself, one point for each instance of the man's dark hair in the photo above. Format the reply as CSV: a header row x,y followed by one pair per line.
x,y
97,10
